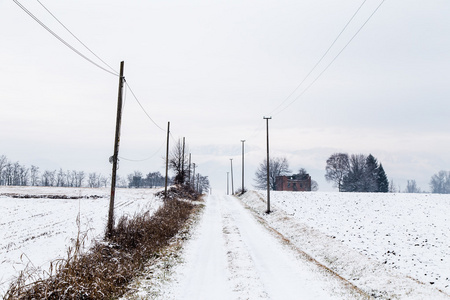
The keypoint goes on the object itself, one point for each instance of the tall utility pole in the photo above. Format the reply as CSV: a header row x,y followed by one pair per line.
x,y
198,183
242,166
115,156
193,177
268,184
167,160
232,184
183,177
228,183
189,171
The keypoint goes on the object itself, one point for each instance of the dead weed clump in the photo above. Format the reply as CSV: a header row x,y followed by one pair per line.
x,y
180,192
105,271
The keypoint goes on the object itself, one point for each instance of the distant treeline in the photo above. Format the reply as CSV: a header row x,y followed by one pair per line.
x,y
15,174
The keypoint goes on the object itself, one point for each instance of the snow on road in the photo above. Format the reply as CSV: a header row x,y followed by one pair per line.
x,y
232,256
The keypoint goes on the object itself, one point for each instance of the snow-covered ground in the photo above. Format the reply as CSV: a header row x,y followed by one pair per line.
x,y
231,256
35,231
383,243
388,245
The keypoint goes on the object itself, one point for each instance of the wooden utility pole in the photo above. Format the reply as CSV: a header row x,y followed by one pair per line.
x,y
115,156
167,160
268,163
232,184
242,166
189,171
198,183
193,177
183,177
228,184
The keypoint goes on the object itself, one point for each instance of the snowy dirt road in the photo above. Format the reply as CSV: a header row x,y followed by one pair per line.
x,y
233,256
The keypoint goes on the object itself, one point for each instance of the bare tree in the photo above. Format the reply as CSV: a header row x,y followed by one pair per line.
x,y
411,187
392,188
440,183
179,162
120,181
135,179
34,175
23,175
3,163
91,179
337,168
60,178
202,184
80,179
8,174
314,186
16,174
48,178
104,181
278,166
154,179
353,180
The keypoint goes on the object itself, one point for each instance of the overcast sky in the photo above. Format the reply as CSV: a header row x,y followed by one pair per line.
x,y
214,69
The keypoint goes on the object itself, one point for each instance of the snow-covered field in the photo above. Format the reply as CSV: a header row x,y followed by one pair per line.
x,y
35,231
389,245
406,234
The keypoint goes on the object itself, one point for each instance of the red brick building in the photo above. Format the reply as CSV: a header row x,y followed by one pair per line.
x,y
293,183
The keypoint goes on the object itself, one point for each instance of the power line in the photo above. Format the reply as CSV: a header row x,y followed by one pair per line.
x,y
332,61
140,160
320,60
256,132
150,118
76,37
61,39
172,137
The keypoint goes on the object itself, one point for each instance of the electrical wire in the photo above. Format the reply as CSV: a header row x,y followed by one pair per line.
x,y
173,138
111,68
61,39
140,160
137,100
320,60
332,61
257,131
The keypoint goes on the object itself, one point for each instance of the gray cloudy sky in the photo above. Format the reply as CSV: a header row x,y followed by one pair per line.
x,y
214,69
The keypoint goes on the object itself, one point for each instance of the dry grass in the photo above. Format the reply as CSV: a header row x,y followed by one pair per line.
x,y
180,192
106,270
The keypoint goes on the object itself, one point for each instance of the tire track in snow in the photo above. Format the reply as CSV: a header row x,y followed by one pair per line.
x,y
232,256
282,273
243,275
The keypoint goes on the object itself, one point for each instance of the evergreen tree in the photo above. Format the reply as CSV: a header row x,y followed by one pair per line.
x,y
382,180
369,180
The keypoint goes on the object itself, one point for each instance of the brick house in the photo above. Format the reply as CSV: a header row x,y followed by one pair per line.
x,y
293,183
